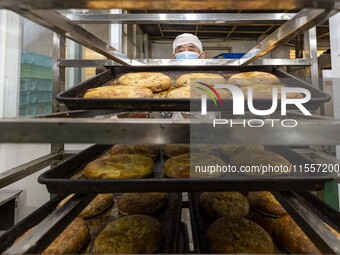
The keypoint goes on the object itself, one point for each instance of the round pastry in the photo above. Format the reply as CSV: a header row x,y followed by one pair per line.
x,y
264,202
98,205
129,235
266,91
192,165
238,235
224,204
208,78
121,149
194,92
228,150
141,203
118,92
154,81
171,150
254,163
183,92
250,78
292,238
201,148
145,150
119,166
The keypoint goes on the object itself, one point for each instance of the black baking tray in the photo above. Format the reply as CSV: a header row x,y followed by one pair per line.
x,y
200,221
73,98
58,180
169,216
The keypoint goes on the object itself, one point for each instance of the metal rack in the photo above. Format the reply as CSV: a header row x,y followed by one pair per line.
x,y
107,130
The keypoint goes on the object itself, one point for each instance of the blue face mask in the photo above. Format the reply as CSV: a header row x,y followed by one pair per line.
x,y
187,55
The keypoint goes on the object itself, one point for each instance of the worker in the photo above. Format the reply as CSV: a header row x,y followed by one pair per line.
x,y
187,46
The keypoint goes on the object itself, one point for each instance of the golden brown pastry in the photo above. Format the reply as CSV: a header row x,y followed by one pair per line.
x,y
193,92
250,78
121,149
208,78
145,150
119,167
227,150
264,202
183,92
172,150
201,148
292,238
266,91
70,241
238,235
180,166
118,92
131,234
257,160
224,204
98,205
151,80
141,203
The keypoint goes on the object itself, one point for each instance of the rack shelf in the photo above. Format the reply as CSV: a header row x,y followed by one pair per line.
x,y
171,4
106,130
164,131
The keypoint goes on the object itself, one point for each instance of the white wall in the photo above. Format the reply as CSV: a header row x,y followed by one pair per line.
x,y
163,49
34,194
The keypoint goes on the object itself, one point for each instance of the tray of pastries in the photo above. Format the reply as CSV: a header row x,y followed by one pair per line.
x,y
181,167
119,223
246,223
170,89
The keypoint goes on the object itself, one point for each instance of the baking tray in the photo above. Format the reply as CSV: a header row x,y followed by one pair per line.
x,y
58,179
169,216
73,98
200,221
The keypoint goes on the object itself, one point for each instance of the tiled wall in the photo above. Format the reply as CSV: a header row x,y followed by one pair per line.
x,y
35,84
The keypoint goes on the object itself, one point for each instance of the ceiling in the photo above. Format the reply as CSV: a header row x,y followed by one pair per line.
x,y
243,32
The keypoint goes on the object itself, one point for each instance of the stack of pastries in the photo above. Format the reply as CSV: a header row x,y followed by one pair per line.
x,y
160,85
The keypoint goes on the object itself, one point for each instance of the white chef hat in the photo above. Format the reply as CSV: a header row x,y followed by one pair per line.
x,y
186,39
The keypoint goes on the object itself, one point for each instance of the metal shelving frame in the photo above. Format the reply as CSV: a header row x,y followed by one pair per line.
x,y
107,130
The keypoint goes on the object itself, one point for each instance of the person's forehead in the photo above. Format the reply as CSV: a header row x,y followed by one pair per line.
x,y
187,45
